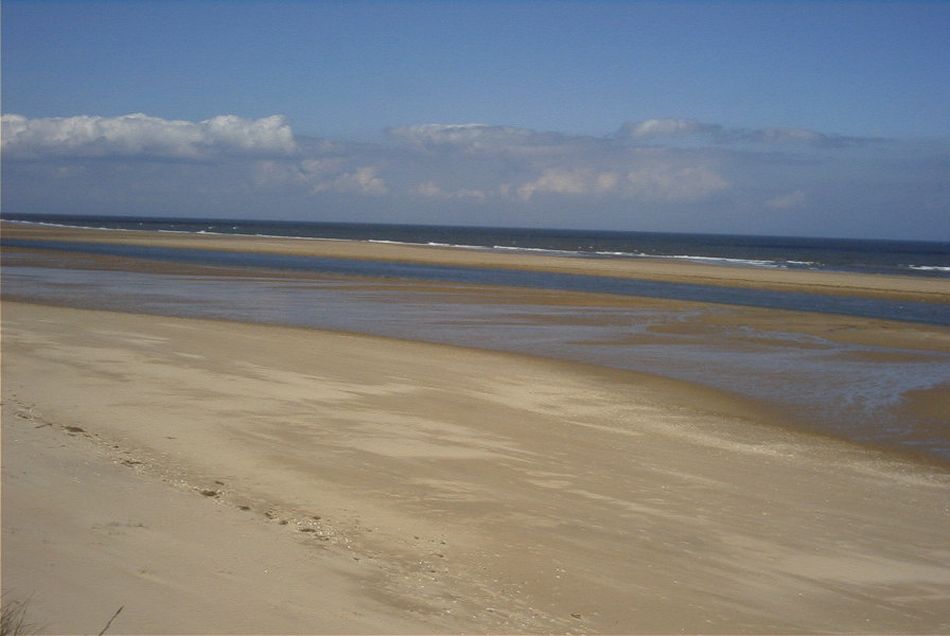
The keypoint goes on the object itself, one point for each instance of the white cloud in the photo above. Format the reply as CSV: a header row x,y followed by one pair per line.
x,y
567,181
432,190
660,163
652,181
139,135
484,161
306,171
429,189
785,201
655,173
363,180
665,127
484,139
321,175
458,134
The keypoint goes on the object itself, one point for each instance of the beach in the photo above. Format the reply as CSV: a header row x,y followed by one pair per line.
x,y
429,489
215,476
467,317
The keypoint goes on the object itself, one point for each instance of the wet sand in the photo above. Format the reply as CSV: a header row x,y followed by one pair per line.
x,y
873,381
727,318
222,477
863,285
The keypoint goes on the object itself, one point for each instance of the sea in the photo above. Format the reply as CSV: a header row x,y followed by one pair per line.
x,y
909,258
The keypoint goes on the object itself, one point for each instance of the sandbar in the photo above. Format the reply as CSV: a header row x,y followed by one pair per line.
x,y
665,270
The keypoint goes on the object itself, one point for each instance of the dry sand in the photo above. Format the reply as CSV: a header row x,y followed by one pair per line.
x,y
864,285
429,488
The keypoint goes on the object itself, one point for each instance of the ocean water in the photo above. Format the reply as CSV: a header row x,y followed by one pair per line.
x,y
913,258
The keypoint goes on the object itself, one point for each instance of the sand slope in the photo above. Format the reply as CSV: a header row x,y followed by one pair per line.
x,y
456,490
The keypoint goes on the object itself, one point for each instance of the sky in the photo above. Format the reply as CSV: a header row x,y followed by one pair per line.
x,y
788,118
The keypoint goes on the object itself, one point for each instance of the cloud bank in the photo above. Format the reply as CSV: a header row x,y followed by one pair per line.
x,y
668,173
672,127
139,135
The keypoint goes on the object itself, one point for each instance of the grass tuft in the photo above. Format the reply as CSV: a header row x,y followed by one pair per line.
x,y
13,619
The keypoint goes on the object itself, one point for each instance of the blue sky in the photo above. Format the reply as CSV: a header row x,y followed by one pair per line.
x,y
810,118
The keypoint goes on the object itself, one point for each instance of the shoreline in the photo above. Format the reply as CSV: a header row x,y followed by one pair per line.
x,y
931,402
660,270
536,488
768,331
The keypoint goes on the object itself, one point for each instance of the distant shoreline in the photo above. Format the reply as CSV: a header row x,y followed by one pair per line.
x,y
870,256
892,287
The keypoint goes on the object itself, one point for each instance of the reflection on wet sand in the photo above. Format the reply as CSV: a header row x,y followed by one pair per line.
x,y
845,376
